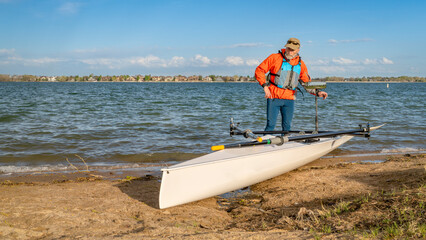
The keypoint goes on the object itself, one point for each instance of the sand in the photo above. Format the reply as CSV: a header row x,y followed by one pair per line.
x,y
290,206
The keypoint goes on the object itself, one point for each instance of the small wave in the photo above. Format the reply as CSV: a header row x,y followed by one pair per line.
x,y
25,169
102,167
403,150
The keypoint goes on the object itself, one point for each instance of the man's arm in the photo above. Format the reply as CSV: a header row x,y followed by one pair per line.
x,y
305,78
260,72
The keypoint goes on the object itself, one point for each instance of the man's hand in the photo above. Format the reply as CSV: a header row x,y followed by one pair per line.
x,y
322,94
267,92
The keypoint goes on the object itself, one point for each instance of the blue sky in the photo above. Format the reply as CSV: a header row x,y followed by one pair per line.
x,y
194,37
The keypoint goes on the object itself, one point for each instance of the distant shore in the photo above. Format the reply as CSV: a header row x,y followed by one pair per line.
x,y
210,82
193,78
379,197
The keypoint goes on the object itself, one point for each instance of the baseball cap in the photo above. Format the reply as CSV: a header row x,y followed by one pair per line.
x,y
293,43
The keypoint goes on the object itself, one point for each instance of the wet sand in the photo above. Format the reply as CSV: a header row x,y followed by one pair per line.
x,y
302,204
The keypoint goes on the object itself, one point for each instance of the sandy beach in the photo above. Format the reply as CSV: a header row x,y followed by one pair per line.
x,y
380,197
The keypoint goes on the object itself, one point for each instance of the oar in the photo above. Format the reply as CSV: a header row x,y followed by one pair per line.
x,y
277,132
277,140
281,140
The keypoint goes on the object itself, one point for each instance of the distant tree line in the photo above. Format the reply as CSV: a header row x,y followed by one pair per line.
x,y
372,79
180,78
124,78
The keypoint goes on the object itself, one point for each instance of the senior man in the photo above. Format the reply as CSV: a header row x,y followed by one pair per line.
x,y
286,69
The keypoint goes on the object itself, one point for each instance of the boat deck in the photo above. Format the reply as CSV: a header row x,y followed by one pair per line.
x,y
233,153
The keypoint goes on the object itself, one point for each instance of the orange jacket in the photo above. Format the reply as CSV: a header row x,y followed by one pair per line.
x,y
273,64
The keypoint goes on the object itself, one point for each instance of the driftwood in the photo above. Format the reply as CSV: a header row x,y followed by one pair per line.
x,y
87,171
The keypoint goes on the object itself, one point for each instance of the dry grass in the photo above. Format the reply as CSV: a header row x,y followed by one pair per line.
x,y
390,213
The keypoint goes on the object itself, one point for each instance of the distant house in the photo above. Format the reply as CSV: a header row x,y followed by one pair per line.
x,y
181,78
193,78
244,79
155,78
51,79
168,79
131,79
207,79
92,79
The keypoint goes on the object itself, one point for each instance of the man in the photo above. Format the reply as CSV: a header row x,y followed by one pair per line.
x,y
286,69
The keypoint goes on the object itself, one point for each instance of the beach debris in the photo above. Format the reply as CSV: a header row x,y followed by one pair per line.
x,y
305,213
96,177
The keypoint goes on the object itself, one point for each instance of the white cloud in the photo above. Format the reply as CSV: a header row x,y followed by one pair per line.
x,y
108,62
329,69
334,41
149,61
247,45
177,61
386,61
44,60
343,61
346,66
69,8
7,52
201,60
252,62
234,61
31,61
9,56
383,60
368,61
318,62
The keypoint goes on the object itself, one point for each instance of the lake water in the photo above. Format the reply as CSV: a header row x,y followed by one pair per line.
x,y
117,124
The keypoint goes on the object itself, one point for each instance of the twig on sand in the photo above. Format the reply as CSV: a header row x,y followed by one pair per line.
x,y
87,167
72,165
84,171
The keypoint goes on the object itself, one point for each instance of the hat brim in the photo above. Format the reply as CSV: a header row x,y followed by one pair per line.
x,y
292,46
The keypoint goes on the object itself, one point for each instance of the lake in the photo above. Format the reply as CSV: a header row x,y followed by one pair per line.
x,y
115,124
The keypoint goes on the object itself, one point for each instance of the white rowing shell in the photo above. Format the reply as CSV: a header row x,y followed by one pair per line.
x,y
231,169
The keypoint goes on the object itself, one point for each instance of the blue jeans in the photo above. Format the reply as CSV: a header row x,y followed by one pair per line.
x,y
273,106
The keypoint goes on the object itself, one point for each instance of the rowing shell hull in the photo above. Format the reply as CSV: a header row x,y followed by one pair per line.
x,y
231,169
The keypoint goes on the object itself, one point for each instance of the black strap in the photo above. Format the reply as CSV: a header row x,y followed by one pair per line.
x,y
273,83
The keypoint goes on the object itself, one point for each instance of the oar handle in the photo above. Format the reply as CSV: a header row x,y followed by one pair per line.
x,y
275,140
218,147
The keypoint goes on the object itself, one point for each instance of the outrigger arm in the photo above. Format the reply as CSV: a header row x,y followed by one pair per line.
x,y
362,131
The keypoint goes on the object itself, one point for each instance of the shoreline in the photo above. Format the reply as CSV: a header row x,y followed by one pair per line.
x,y
193,82
329,198
153,168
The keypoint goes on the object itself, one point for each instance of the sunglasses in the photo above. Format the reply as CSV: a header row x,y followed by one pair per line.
x,y
295,43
